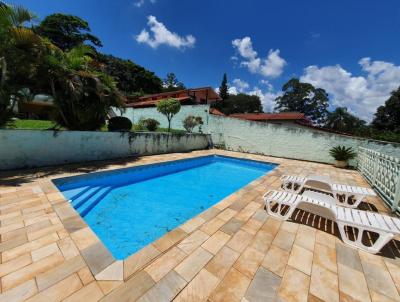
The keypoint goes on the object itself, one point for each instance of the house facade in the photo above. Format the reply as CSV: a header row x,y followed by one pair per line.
x,y
193,96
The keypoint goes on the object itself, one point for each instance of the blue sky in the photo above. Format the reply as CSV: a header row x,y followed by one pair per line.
x,y
349,48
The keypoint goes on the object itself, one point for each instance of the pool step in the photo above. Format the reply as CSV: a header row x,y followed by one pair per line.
x,y
94,200
76,203
75,193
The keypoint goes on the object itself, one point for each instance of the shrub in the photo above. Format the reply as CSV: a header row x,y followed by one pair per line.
x,y
149,124
190,122
119,123
342,153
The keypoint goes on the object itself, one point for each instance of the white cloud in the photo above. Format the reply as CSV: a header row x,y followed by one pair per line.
x,y
267,98
272,66
240,85
162,35
361,94
140,3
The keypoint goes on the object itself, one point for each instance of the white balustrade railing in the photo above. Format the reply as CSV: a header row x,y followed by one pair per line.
x,y
383,173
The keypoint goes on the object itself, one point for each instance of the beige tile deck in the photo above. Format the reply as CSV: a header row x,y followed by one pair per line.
x,y
232,252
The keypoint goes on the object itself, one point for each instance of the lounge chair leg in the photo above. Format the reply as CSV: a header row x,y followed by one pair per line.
x,y
278,214
383,239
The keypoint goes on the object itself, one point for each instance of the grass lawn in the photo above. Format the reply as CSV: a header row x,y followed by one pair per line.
x,y
45,125
31,124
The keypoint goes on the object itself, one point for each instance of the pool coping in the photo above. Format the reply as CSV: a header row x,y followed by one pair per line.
x,y
99,259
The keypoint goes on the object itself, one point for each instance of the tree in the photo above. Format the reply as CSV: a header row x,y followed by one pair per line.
x,y
304,98
387,116
131,78
171,83
21,52
241,103
223,89
66,31
82,95
190,122
342,120
169,108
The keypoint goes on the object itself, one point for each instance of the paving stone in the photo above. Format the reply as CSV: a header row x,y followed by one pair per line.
x,y
138,260
166,289
89,293
20,292
284,240
305,237
85,275
352,283
132,289
59,272
44,251
294,286
222,262
68,248
210,213
301,259
161,266
249,261
248,211
169,239
290,227
232,226
263,287
216,242
97,257
262,241
348,256
192,224
189,267
325,257
227,214
380,281
84,238
212,226
199,288
59,291
114,271
109,286
275,260
190,243
252,226
30,271
232,288
74,223
324,284
239,241
15,264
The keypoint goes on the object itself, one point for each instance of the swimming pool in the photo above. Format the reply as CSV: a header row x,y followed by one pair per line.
x,y
130,208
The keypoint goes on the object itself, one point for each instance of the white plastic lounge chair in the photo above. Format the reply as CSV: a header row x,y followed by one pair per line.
x,y
282,204
342,193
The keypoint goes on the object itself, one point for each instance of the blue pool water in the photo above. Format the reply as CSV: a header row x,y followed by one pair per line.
x,y
130,208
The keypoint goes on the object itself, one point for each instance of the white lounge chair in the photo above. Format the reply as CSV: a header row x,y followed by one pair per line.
x,y
281,205
342,193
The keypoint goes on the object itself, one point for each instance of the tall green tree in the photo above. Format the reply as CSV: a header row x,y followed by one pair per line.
x,y
130,77
82,95
240,103
169,108
342,120
66,31
387,116
223,89
171,83
21,52
304,98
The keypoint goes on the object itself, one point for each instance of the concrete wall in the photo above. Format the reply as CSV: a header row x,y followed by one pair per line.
x,y
34,148
285,141
196,110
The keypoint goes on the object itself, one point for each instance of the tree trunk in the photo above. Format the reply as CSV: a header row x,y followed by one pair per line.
x,y
3,66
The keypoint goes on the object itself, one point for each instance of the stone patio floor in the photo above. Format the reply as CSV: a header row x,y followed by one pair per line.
x,y
231,252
